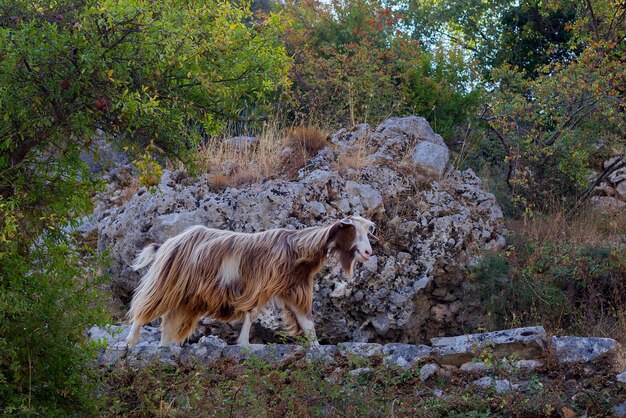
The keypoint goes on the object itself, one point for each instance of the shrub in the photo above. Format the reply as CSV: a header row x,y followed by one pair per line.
x,y
353,64
160,73
570,281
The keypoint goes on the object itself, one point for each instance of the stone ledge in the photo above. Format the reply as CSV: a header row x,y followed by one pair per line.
x,y
525,345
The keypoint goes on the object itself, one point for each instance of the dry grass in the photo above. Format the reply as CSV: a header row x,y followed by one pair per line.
x,y
304,142
356,157
232,164
586,226
276,152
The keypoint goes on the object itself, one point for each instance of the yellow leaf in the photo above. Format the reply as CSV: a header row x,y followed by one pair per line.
x,y
109,73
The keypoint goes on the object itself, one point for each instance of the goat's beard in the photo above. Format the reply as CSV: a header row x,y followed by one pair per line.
x,y
347,259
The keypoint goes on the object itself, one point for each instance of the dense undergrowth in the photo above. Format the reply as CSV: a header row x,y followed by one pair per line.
x,y
563,271
303,389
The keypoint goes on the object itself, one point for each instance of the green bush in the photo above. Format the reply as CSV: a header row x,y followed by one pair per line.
x,y
153,76
352,64
47,301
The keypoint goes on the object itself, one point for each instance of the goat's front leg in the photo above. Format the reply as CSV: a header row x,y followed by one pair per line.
x,y
306,323
244,335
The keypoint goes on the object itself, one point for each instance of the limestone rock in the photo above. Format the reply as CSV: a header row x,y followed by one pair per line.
x,y
278,353
589,350
428,370
527,342
475,367
528,364
431,157
620,191
499,385
360,349
439,228
405,355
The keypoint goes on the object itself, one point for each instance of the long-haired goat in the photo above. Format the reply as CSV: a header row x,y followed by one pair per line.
x,y
229,275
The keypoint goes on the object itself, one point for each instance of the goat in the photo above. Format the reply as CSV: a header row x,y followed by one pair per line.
x,y
231,276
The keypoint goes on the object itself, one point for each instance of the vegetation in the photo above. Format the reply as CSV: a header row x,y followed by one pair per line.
x,y
313,389
529,93
561,272
148,75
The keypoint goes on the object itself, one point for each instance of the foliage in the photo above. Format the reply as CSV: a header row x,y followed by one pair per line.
x,y
137,72
525,34
567,281
47,300
556,126
352,63
317,389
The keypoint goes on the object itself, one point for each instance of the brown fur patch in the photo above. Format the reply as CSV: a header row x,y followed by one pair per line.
x,y
341,242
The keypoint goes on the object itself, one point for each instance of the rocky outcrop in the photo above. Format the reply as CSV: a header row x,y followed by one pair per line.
x,y
610,194
434,221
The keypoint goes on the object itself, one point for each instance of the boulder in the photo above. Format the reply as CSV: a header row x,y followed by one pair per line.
x,y
405,355
499,385
604,351
530,342
415,287
428,370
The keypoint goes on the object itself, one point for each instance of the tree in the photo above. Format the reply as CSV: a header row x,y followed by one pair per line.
x,y
163,73
554,127
353,63
524,34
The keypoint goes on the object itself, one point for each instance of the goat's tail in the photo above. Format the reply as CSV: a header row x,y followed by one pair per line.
x,y
148,297
145,257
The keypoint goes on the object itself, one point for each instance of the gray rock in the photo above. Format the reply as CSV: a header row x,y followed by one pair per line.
x,y
619,410
207,350
274,353
431,157
475,367
620,191
528,364
607,203
621,377
588,350
321,353
364,350
144,353
414,127
500,386
389,298
428,370
405,355
317,208
528,342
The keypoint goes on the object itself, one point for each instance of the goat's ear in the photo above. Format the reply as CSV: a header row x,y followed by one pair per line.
x,y
346,221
